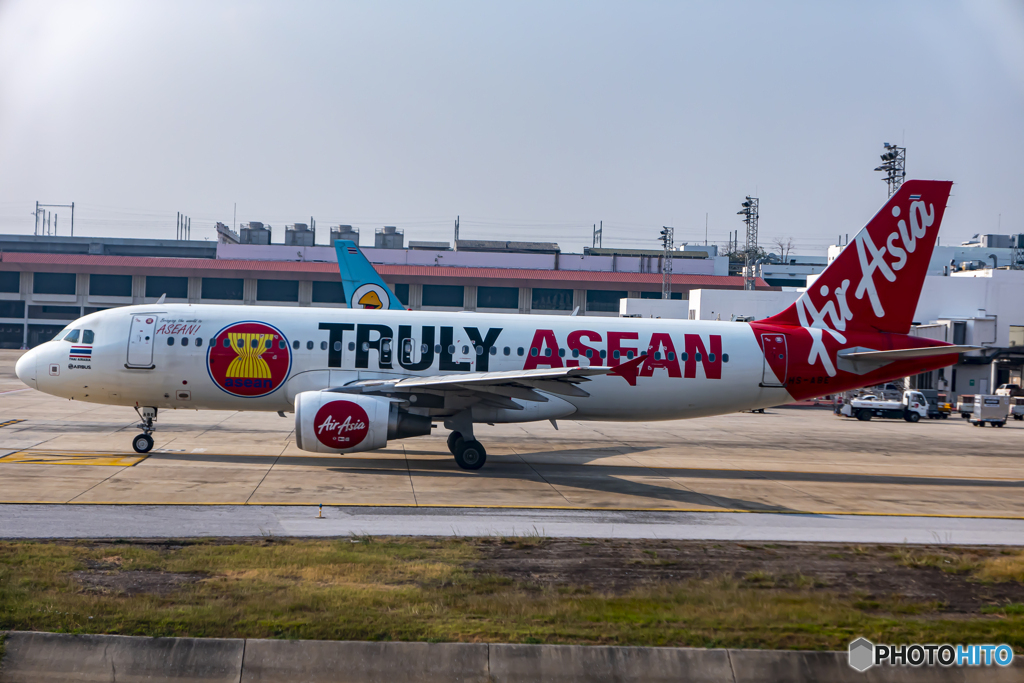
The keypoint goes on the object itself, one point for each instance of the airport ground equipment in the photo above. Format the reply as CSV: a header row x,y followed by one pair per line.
x,y
1017,407
990,409
912,408
965,406
1012,390
938,407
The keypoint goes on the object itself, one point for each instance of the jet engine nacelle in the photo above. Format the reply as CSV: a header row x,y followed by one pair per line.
x,y
329,422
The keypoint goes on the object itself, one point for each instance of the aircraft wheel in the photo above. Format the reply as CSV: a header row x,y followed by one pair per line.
x,y
453,442
864,415
470,455
999,424
913,417
142,443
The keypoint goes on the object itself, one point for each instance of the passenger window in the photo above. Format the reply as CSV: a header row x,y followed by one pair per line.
x,y
697,357
351,346
629,355
296,344
437,348
465,350
366,347
424,349
170,341
494,351
533,351
282,344
561,353
711,357
309,345
615,354
72,336
198,341
685,357
87,337
604,353
575,353
323,346
508,351
337,346
657,355
671,355
547,352
479,350
270,343
520,351
451,349
227,343
385,347
590,353
184,341
725,358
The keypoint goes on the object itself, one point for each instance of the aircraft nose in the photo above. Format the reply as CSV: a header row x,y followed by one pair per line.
x,y
25,368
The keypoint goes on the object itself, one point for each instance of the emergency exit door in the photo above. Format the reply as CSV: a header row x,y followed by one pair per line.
x,y
140,341
776,360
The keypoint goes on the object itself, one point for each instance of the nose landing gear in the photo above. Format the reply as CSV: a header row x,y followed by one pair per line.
x,y
143,443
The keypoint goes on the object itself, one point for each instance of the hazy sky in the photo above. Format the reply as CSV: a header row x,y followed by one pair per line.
x,y
530,120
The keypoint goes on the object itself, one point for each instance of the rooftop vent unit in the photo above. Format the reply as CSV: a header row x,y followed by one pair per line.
x,y
344,232
299,235
389,237
255,232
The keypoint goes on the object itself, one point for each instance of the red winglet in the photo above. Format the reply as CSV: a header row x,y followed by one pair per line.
x,y
629,370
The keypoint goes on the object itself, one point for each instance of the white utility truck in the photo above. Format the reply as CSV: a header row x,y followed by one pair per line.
x,y
1017,407
912,408
991,409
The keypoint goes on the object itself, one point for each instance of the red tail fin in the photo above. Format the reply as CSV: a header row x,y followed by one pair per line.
x,y
875,282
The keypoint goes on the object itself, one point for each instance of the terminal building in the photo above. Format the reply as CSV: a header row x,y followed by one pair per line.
x,y
48,281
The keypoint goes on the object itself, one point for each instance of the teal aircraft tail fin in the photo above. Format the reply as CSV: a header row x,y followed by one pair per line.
x,y
363,286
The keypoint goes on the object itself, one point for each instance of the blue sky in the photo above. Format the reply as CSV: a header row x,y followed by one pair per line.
x,y
529,120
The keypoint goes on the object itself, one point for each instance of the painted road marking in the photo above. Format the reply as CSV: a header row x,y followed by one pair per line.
x,y
8,423
34,457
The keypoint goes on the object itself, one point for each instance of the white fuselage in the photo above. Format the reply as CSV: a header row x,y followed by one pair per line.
x,y
133,362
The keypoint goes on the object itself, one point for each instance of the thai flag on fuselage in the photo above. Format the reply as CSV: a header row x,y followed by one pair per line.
x,y
81,353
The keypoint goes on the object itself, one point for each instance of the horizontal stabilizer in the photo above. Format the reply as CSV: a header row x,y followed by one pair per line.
x,y
905,354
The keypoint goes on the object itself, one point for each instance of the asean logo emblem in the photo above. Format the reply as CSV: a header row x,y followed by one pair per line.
x,y
341,424
249,359
371,296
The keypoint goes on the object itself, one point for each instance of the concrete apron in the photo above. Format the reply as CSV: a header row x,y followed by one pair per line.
x,y
32,657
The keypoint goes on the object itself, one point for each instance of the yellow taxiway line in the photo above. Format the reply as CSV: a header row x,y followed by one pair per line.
x,y
34,457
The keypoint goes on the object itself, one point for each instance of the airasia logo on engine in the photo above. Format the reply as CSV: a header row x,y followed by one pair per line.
x,y
341,424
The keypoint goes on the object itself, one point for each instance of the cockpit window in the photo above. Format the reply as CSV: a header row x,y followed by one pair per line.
x,y
72,336
87,336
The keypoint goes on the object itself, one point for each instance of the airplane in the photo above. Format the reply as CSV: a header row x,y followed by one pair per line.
x,y
357,378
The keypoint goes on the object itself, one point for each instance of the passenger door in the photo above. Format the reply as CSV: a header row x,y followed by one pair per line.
x,y
776,360
140,341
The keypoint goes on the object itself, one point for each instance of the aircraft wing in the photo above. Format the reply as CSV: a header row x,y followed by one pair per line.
x,y
522,384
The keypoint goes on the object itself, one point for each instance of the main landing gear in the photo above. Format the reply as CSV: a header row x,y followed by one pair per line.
x,y
143,443
469,455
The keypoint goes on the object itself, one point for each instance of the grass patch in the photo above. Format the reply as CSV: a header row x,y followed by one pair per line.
x,y
952,562
428,590
1005,568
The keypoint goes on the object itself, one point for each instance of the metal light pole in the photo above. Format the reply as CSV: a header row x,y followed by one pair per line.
x,y
667,237
750,216
894,165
